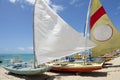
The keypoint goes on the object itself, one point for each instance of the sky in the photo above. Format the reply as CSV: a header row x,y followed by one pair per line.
x,y
16,20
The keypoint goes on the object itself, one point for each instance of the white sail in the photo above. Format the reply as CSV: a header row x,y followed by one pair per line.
x,y
54,38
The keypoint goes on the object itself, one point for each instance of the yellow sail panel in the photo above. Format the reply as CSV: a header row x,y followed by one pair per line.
x,y
95,6
103,32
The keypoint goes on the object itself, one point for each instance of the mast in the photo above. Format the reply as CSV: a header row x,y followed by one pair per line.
x,y
87,24
34,36
88,19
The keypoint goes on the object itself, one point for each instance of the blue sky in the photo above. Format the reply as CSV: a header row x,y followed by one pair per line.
x,y
16,20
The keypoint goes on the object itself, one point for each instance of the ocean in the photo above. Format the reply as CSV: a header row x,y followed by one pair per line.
x,y
26,57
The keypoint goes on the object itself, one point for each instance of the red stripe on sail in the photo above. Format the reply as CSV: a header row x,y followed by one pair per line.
x,y
100,12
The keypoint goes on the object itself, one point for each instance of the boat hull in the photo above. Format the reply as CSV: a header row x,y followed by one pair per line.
x,y
27,71
76,66
74,69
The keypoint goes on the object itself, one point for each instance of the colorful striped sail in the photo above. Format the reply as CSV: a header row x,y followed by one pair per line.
x,y
102,30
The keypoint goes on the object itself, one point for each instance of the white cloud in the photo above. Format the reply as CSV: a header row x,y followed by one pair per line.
x,y
117,11
118,8
25,48
22,6
79,5
76,3
21,48
23,1
73,2
30,48
12,1
30,1
17,50
55,7
4,50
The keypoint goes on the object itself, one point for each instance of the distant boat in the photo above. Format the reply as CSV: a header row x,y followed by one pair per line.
x,y
1,60
85,64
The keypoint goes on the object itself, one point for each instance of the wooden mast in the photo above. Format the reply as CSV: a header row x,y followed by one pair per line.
x,y
87,29
34,36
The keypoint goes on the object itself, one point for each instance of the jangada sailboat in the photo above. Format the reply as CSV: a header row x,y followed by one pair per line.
x,y
102,32
53,39
83,65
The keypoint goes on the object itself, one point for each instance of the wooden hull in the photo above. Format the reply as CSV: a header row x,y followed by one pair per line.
x,y
76,69
27,71
76,66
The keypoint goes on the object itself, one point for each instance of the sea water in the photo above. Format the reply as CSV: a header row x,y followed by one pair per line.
x,y
26,57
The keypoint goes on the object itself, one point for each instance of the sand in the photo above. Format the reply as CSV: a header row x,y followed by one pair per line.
x,y
109,72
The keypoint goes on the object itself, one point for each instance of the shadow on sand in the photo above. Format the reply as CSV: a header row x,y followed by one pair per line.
x,y
33,77
91,74
52,77
111,66
94,74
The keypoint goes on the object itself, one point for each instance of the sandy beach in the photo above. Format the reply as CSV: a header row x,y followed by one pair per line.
x,y
109,72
